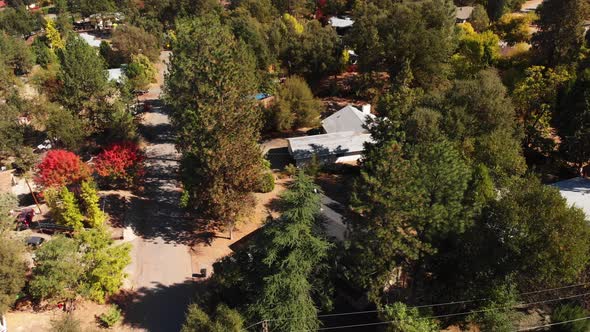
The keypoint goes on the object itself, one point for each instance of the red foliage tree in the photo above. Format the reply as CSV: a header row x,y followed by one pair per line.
x,y
61,168
121,162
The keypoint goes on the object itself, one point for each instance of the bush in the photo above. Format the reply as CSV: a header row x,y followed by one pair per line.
x,y
67,323
569,312
267,182
111,317
61,168
121,162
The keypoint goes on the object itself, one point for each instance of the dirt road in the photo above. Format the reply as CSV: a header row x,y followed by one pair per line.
x,y
160,272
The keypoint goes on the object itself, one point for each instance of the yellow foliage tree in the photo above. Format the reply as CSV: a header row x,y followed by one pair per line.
x,y
54,36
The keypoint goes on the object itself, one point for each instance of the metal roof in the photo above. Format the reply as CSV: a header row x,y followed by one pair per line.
x,y
90,39
328,144
464,13
341,22
347,119
577,193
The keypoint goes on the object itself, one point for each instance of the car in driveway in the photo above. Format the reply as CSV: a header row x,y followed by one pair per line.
x,y
34,241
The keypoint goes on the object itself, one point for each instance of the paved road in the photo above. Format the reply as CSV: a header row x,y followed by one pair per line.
x,y
161,270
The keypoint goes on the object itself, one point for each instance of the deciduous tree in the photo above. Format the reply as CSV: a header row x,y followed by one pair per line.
x,y
224,319
296,106
129,40
61,168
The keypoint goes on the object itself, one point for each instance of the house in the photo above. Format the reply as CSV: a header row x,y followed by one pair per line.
x,y
343,141
115,75
577,193
463,14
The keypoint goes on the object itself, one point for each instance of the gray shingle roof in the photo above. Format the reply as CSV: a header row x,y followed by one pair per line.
x,y
347,119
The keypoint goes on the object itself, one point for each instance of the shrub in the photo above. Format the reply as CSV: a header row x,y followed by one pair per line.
x,y
61,168
67,323
567,312
267,182
111,317
121,162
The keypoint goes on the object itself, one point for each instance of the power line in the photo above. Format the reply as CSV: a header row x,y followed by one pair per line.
x,y
553,324
428,305
461,313
441,304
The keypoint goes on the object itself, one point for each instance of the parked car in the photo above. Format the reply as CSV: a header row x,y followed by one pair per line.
x,y
34,241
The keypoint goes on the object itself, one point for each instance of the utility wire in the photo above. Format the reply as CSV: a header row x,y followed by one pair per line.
x,y
461,313
553,324
438,305
427,305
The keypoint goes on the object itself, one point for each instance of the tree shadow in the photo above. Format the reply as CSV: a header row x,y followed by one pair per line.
x,y
160,307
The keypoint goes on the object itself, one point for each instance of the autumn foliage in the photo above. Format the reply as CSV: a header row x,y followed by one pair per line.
x,y
121,162
61,168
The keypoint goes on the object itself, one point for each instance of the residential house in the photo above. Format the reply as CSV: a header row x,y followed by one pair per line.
x,y
463,14
343,141
577,193
341,24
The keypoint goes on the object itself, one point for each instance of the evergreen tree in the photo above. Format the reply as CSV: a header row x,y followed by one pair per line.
x,y
225,320
296,106
561,31
83,80
64,208
12,270
210,89
291,252
95,217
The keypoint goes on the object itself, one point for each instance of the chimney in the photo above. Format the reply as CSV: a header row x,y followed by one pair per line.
x,y
366,109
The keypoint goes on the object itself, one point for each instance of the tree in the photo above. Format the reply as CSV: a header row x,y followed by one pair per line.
x,y
95,217
65,127
12,270
535,235
16,54
54,37
480,116
535,98
296,106
129,40
568,312
479,18
64,208
291,253
121,162
57,271
89,7
572,121
225,319
406,319
217,121
514,28
83,79
498,313
140,72
476,51
61,168
103,263
8,202
421,34
561,32
20,22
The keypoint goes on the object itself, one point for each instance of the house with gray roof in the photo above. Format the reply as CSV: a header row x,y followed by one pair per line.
x,y
343,141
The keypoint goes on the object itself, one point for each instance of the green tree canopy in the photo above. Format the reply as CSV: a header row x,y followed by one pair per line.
x,y
129,40
224,320
210,89
296,106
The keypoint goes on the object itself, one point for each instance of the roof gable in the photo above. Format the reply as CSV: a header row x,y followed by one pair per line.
x,y
347,119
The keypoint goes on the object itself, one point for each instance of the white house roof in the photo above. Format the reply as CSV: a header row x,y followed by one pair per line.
x,y
341,22
115,74
347,119
464,13
577,193
347,142
90,39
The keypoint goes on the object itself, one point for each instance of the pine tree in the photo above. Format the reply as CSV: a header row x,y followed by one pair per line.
x,y
292,252
210,89
95,217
